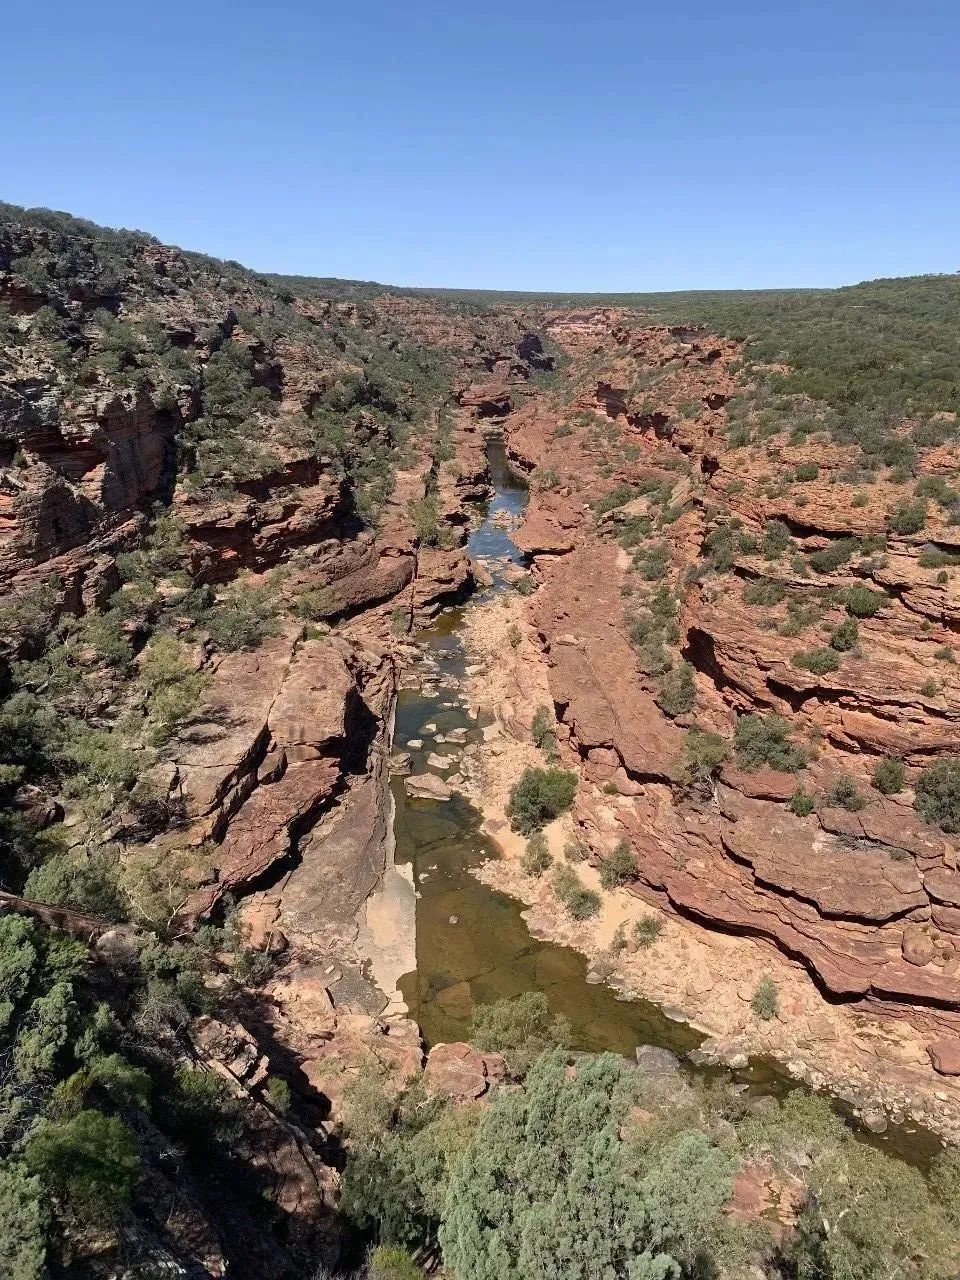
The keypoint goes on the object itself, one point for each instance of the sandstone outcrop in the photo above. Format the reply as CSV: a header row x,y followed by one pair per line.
x,y
863,897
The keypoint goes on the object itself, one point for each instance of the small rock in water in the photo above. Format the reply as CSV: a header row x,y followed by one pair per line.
x,y
415,744
436,761
874,1120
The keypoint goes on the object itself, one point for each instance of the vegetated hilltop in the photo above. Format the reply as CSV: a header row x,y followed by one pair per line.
x,y
199,476
224,498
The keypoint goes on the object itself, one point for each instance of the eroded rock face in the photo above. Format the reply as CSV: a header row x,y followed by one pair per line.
x,y
278,730
863,897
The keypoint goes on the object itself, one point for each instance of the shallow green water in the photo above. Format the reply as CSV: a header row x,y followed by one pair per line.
x,y
472,944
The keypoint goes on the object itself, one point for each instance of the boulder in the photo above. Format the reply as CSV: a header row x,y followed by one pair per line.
x,y
458,1071
426,786
945,1056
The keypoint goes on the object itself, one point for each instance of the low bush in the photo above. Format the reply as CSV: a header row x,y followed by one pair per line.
x,y
705,753
765,740
763,593
845,636
801,803
542,731
806,471
540,796
844,794
677,691
536,857
937,794
889,776
862,602
647,930
832,557
766,999
817,661
908,518
581,902
618,866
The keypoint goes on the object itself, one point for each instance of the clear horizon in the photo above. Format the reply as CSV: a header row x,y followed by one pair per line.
x,y
627,150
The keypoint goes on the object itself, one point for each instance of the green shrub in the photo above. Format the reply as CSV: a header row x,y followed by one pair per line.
x,y
937,794
575,850
889,776
765,740
536,857
677,691
242,618
543,732
278,1091
806,471
801,803
930,688
832,557
704,753
86,882
647,930
581,902
545,1191
844,794
932,557
763,593
862,602
766,999
540,796
618,866
817,661
908,518
776,540
845,636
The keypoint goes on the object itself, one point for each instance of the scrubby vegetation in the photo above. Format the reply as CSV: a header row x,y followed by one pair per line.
x,y
597,1169
581,902
937,794
540,796
765,740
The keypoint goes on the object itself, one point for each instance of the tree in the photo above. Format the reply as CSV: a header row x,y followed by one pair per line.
x,y
869,1217
91,1158
18,956
541,1192
23,1220
521,1028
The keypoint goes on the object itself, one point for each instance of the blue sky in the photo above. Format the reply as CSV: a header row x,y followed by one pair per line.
x,y
523,145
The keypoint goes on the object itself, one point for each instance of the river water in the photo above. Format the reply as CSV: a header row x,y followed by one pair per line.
x,y
472,944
